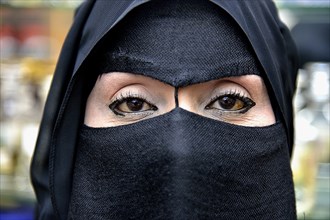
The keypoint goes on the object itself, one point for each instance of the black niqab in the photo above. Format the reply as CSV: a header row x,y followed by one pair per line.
x,y
53,162
177,44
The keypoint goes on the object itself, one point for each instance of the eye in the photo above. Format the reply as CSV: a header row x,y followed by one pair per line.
x,y
231,103
131,105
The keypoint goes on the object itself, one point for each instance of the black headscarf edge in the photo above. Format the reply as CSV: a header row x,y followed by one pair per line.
x,y
41,162
52,192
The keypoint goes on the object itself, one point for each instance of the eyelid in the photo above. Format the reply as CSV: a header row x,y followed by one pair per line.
x,y
129,94
235,85
134,91
245,82
230,92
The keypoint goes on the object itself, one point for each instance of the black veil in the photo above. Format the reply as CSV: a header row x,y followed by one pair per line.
x,y
52,165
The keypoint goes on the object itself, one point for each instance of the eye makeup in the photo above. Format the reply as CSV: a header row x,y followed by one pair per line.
x,y
238,100
232,101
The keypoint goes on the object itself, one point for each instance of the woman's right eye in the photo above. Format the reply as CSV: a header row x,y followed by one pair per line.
x,y
131,105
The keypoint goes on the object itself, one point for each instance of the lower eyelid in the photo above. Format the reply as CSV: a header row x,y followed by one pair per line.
x,y
230,112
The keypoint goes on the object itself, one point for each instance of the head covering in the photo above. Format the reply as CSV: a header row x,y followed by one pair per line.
x,y
53,162
179,43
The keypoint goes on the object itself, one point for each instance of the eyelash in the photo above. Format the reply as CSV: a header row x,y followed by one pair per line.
x,y
236,95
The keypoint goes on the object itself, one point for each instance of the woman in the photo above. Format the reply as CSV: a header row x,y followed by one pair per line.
x,y
169,110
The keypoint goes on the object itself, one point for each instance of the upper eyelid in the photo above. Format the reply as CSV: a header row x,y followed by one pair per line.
x,y
134,91
151,94
237,81
129,94
243,81
217,94
234,91
122,97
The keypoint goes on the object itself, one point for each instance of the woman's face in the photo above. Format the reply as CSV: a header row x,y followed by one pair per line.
x,y
123,98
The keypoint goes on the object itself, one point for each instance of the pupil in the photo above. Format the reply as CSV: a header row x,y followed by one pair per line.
x,y
227,102
135,104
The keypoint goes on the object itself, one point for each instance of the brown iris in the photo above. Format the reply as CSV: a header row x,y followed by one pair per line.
x,y
230,103
134,104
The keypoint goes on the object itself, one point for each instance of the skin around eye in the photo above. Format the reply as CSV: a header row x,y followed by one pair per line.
x,y
119,98
122,98
241,100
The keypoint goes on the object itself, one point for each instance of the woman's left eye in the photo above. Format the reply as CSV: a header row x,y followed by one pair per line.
x,y
231,103
131,105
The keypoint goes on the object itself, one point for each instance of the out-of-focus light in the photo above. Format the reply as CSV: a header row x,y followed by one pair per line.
x,y
320,86
320,79
326,111
304,3
307,132
36,3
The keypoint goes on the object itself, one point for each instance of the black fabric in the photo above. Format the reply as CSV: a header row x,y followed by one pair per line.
x,y
313,41
274,46
270,39
179,42
42,159
53,160
183,166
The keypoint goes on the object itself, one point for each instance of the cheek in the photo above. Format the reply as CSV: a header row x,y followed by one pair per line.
x,y
94,109
269,116
262,114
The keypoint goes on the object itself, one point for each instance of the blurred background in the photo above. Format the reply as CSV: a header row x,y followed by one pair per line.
x,y
31,35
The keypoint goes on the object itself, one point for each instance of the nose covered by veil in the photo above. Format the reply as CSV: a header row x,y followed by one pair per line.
x,y
178,165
